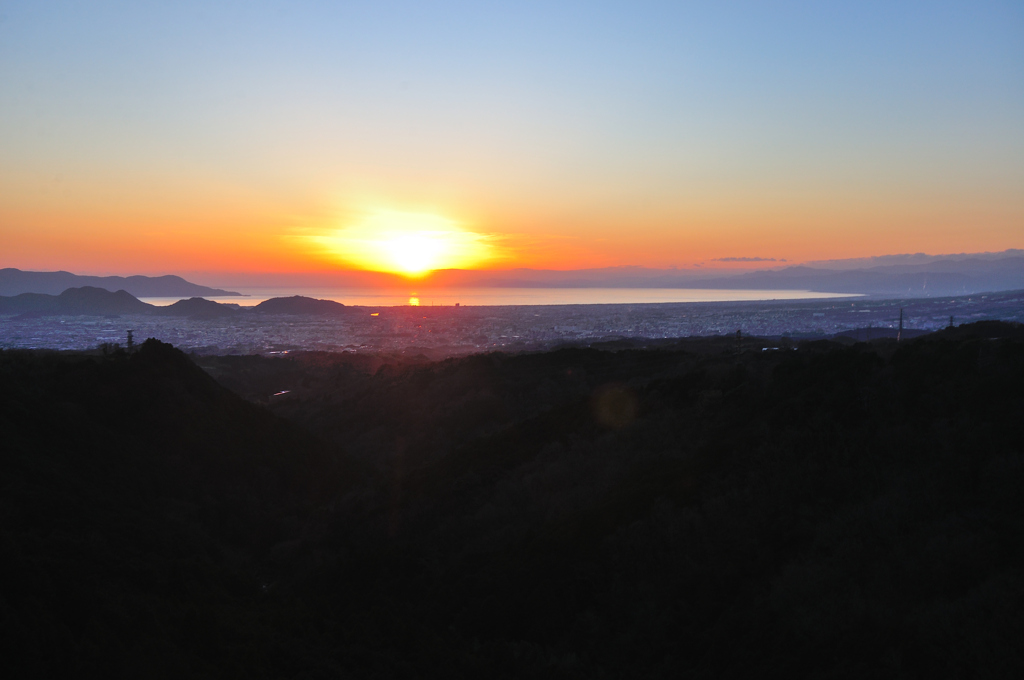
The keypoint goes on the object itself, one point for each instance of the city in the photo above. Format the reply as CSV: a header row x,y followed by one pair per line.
x,y
438,332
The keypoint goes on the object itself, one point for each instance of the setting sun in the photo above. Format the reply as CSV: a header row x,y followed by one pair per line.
x,y
410,244
415,253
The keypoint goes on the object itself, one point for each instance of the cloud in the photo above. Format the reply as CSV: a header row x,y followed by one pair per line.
x,y
746,259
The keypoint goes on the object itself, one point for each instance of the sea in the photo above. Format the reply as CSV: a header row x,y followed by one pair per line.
x,y
368,297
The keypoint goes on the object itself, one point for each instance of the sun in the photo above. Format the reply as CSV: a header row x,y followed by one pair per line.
x,y
416,253
410,244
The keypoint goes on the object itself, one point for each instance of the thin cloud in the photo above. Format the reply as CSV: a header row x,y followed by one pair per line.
x,y
746,259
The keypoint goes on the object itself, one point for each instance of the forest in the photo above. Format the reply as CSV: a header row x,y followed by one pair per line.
x,y
824,509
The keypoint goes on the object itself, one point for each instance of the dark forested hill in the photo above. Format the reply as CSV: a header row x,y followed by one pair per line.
x,y
139,500
826,511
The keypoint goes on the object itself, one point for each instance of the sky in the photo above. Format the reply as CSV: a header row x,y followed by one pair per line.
x,y
177,137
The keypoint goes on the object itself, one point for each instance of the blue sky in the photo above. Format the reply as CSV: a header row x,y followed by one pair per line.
x,y
670,132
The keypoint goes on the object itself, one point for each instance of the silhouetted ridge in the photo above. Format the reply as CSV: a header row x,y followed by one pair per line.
x,y
90,300
29,303
699,510
97,301
298,304
16,282
982,329
86,300
667,513
141,500
197,308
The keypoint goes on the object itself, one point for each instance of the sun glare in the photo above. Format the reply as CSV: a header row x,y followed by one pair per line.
x,y
416,253
410,244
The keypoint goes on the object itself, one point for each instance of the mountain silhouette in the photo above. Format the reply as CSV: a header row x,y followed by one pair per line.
x,y
86,300
141,500
298,304
693,510
89,300
943,277
15,282
197,308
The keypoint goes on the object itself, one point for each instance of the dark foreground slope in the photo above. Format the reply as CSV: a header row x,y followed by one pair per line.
x,y
824,512
139,500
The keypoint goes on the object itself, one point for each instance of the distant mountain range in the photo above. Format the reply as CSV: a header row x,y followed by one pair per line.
x,y
950,275
940,277
92,301
16,282
916,275
908,259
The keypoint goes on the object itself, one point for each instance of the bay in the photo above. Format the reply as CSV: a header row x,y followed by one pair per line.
x,y
369,297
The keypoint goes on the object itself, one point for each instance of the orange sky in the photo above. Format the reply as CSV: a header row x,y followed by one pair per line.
x,y
142,142
244,232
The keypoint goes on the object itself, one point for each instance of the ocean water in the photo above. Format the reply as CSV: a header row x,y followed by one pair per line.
x,y
369,297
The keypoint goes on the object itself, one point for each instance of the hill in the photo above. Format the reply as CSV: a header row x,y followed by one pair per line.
x,y
297,304
90,301
16,282
582,513
827,510
197,308
140,502
73,301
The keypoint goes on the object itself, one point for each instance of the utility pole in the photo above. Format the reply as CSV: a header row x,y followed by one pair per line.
x,y
131,340
899,334
951,321
739,341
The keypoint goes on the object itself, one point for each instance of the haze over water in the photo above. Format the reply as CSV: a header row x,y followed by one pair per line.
x,y
514,296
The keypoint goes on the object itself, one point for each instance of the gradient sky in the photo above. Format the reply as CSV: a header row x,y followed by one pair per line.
x,y
175,137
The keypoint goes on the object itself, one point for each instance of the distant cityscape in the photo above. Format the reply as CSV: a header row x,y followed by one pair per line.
x,y
438,331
